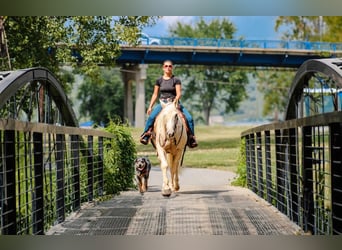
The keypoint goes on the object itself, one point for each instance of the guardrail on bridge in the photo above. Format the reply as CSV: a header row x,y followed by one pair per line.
x,y
296,165
47,172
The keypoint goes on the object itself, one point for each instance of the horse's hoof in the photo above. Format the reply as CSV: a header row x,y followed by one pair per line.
x,y
166,192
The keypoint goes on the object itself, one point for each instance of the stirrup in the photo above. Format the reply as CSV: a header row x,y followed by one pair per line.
x,y
145,137
192,143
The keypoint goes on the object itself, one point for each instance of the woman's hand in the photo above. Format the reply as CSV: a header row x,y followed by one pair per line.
x,y
149,110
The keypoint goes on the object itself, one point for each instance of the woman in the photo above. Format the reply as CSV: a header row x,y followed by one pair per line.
x,y
169,88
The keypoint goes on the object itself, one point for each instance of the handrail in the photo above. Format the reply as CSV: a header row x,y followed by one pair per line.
x,y
236,43
296,166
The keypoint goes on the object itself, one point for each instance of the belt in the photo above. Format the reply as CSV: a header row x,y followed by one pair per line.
x,y
167,100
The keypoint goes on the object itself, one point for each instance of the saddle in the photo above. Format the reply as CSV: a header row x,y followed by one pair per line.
x,y
151,132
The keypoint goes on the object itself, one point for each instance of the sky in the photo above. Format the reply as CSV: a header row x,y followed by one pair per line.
x,y
249,27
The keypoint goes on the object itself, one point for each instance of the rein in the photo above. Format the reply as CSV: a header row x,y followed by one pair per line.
x,y
176,143
179,118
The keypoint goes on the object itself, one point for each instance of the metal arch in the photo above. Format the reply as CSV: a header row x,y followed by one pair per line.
x,y
12,81
331,67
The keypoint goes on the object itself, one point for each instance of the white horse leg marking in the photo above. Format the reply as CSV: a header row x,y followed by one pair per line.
x,y
172,170
166,190
177,165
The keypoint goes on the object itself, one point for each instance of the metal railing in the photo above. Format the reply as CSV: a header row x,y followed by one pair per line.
x,y
47,172
236,43
296,165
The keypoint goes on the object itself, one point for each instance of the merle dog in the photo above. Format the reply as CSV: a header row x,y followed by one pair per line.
x,y
142,171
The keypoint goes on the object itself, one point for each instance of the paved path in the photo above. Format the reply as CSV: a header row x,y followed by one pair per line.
x,y
205,205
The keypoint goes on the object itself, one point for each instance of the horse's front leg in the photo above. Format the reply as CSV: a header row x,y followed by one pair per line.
x,y
166,190
176,166
173,172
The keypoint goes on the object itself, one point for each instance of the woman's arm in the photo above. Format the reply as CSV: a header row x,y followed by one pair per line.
x,y
153,99
178,92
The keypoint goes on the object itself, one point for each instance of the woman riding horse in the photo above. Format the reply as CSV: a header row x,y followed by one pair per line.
x,y
170,89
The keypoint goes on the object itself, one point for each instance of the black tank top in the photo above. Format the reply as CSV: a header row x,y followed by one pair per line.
x,y
168,87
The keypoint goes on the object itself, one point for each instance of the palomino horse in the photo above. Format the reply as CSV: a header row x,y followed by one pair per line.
x,y
170,141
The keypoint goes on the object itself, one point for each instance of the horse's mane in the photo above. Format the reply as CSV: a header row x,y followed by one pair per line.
x,y
168,111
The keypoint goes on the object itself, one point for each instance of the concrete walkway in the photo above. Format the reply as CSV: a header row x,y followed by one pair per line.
x,y
205,205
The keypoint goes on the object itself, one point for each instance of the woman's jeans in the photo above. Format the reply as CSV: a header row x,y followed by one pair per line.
x,y
156,111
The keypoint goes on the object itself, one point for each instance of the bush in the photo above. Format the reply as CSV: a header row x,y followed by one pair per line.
x,y
241,179
119,155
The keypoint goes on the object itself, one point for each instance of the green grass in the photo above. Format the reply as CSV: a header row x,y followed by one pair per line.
x,y
218,148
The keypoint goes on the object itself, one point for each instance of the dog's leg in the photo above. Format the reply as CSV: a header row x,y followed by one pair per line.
x,y
145,183
140,184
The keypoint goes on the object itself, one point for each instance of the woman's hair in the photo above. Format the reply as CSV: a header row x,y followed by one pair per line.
x,y
169,61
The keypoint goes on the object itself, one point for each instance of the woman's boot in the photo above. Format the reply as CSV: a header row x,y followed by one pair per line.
x,y
192,143
145,137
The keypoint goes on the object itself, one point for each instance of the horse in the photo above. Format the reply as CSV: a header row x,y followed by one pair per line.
x,y
170,141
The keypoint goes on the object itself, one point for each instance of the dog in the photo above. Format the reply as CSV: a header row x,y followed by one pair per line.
x,y
142,172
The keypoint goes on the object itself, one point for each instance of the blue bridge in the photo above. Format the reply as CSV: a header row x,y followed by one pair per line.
x,y
206,51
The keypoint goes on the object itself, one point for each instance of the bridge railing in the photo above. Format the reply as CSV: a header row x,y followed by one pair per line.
x,y
296,165
264,44
47,172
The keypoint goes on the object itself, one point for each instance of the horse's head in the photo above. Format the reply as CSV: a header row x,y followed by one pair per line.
x,y
170,118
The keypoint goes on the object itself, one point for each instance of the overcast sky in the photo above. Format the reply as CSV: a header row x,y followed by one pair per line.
x,y
250,27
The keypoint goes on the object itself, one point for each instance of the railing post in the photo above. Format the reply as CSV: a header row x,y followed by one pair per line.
x,y
308,200
268,166
90,164
336,176
75,151
100,166
248,162
9,224
60,141
38,199
294,173
280,171
253,163
260,166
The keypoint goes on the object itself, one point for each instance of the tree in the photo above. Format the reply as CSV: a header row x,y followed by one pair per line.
x,y
102,102
83,42
86,43
311,28
209,87
332,28
306,28
275,86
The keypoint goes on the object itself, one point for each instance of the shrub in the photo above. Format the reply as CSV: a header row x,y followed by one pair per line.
x,y
241,179
119,155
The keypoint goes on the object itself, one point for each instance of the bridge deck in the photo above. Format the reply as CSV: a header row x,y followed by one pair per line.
x,y
205,205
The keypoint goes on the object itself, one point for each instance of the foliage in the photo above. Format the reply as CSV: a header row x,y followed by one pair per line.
x,y
332,28
83,42
207,87
311,28
100,101
274,85
216,28
119,155
300,27
241,179
210,87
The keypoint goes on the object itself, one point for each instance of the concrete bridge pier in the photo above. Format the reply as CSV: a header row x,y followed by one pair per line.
x,y
134,73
